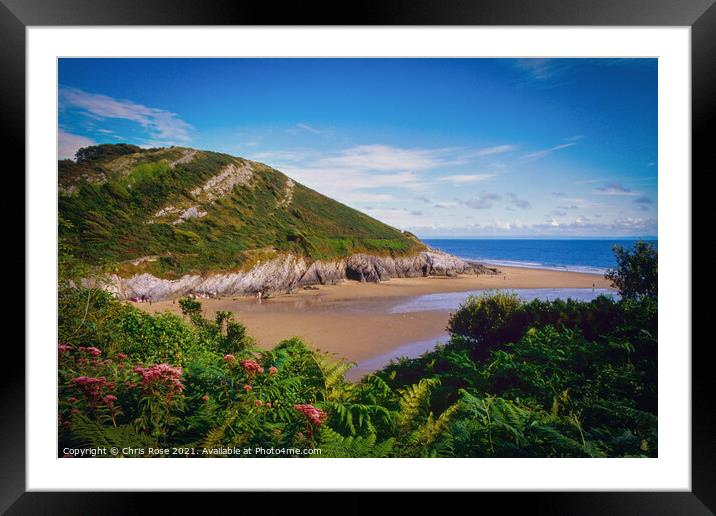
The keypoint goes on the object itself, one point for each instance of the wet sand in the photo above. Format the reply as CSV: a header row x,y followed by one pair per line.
x,y
354,320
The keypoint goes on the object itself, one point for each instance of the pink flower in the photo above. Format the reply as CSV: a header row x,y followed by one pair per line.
x,y
273,370
205,398
313,414
121,356
95,352
64,348
75,411
229,358
251,366
161,374
72,400
248,388
268,404
109,399
91,387
259,403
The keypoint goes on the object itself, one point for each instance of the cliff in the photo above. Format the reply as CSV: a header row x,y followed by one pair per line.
x,y
289,272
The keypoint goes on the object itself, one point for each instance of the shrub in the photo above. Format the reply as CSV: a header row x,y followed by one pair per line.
x,y
636,273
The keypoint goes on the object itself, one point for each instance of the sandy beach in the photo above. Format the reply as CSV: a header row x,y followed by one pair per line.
x,y
355,320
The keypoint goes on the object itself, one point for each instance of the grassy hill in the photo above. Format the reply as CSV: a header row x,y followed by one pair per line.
x,y
172,211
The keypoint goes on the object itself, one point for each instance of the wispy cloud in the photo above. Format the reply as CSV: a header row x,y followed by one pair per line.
x,y
308,128
385,157
163,127
544,152
497,149
467,178
615,189
582,226
68,144
398,217
482,201
541,69
446,204
354,173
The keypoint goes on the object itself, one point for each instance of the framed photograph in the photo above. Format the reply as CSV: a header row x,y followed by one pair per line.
x,y
424,246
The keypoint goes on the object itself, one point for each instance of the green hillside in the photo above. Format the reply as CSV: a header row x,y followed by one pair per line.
x,y
187,210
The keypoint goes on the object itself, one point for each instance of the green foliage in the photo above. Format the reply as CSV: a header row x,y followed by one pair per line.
x,y
486,318
333,444
636,273
537,379
105,152
88,433
112,195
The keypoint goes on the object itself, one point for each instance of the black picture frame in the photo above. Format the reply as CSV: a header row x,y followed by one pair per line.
x,y
700,15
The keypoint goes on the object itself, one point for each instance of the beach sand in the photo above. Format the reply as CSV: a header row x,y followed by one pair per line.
x,y
352,319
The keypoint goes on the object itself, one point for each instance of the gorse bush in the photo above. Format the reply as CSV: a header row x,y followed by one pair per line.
x,y
516,379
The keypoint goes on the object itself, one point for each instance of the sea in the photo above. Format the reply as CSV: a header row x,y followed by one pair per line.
x,y
583,255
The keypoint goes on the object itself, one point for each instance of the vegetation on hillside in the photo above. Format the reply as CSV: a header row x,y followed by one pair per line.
x,y
537,379
110,195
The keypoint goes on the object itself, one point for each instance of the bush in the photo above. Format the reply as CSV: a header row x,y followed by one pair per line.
x,y
537,379
487,318
636,273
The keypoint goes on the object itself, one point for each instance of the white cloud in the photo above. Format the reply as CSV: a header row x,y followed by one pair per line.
x,y
308,128
68,144
385,157
163,126
616,189
400,218
498,149
353,174
544,152
467,178
580,226
541,69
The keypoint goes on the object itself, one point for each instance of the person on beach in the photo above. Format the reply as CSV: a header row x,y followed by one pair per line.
x,y
259,295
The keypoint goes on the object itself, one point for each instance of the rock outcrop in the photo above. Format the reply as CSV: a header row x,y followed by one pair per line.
x,y
288,272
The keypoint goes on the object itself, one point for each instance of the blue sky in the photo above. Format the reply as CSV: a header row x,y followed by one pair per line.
x,y
441,147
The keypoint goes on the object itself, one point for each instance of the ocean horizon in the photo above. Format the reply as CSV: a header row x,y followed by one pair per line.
x,y
588,255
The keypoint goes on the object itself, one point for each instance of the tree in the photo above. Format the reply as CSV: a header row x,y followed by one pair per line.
x,y
636,272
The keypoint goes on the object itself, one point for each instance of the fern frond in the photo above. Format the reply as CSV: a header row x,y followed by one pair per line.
x,y
92,434
215,437
334,445
414,402
333,374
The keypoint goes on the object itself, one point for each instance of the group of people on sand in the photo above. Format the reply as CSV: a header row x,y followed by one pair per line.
x,y
203,295
141,299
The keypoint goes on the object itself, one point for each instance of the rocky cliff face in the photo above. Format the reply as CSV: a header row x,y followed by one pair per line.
x,y
288,272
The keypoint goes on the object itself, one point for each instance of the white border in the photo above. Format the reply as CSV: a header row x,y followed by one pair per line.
x,y
671,471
